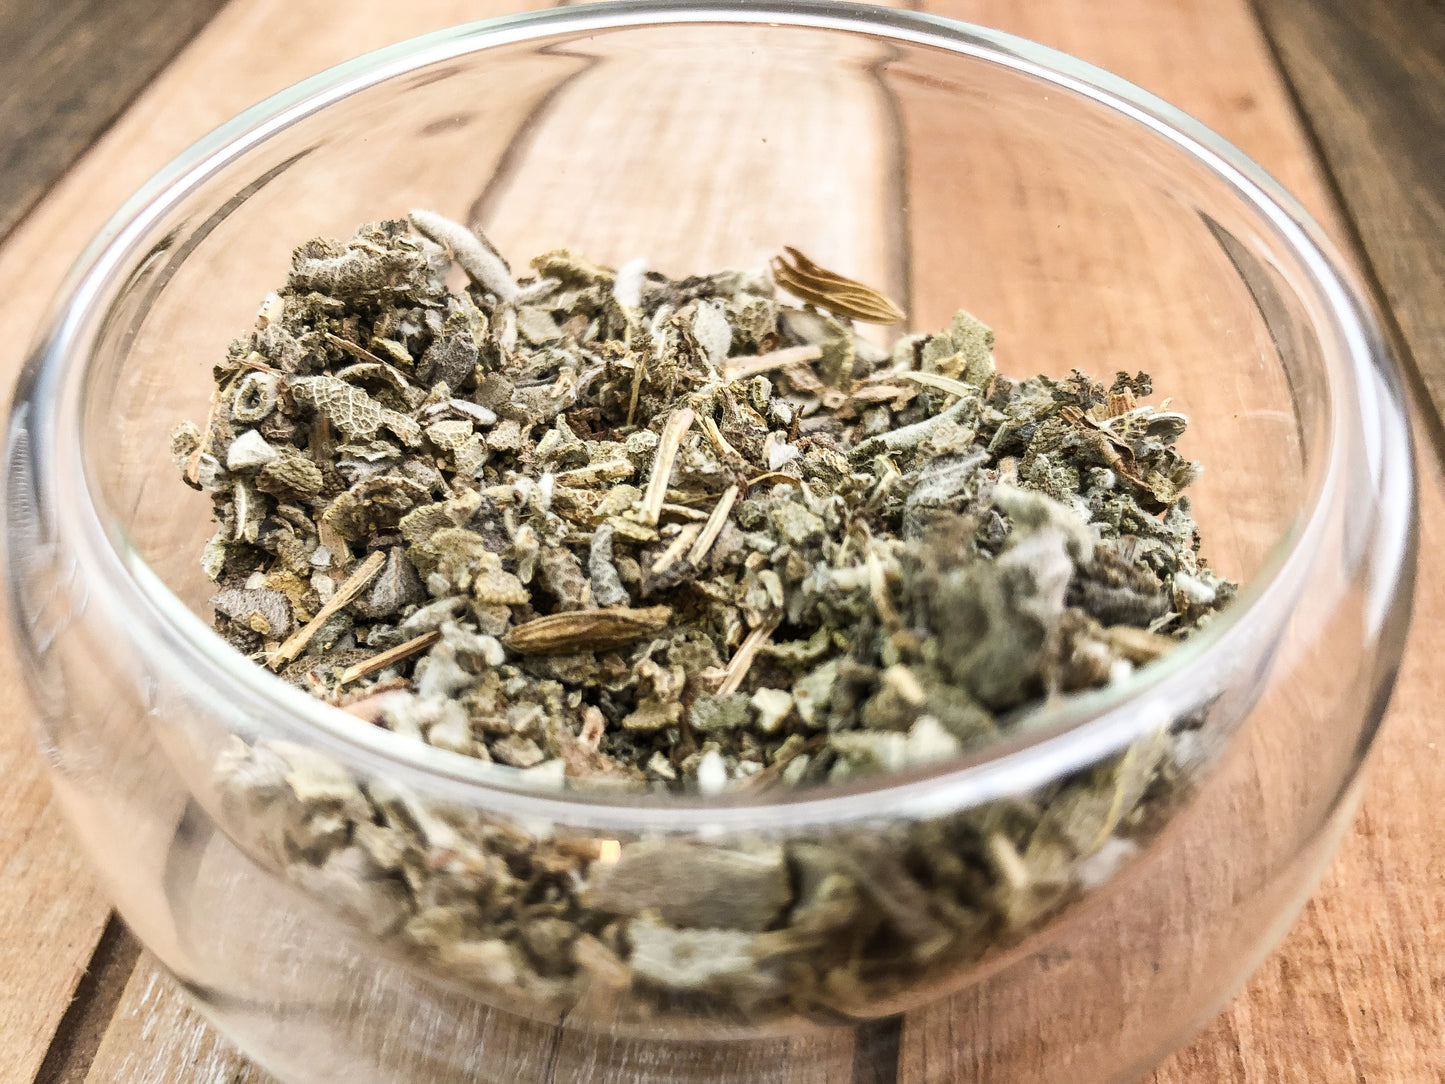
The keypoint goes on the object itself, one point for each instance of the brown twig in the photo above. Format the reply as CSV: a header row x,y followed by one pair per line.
x,y
389,656
371,704
362,354
941,382
878,590
684,539
639,369
193,464
261,367
1139,646
678,423
714,526
741,368
742,659
298,640
775,476
714,434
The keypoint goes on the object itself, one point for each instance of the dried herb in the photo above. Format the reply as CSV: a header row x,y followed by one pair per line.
x,y
621,531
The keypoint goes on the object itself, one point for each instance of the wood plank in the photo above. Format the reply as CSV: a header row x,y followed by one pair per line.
x,y
1329,1006
71,67
51,911
1353,994
791,176
71,1053
153,128
160,1039
546,206
1369,76
152,1039
1046,276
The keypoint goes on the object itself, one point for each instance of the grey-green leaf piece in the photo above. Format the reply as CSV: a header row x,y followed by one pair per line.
x,y
610,531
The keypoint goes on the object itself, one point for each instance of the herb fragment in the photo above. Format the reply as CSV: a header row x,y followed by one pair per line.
x,y
613,531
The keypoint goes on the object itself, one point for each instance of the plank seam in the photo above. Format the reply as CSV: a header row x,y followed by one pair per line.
x,y
876,1047
77,1039
1416,389
18,215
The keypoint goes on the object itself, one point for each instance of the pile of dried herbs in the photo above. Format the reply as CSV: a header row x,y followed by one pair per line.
x,y
623,531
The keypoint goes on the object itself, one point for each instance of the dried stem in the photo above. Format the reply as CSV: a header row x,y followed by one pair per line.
x,y
360,353
775,477
193,464
594,725
741,368
1008,862
298,640
683,511
1139,645
742,659
714,526
261,366
785,756
941,382
328,536
678,423
684,539
389,656
714,434
473,255
903,682
372,705
907,436
322,445
639,369
878,589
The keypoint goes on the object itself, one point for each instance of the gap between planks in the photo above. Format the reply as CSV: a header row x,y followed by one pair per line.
x,y
79,1034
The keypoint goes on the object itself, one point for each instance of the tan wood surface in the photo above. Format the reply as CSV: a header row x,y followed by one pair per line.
x,y
1355,993
1348,997
1369,76
71,67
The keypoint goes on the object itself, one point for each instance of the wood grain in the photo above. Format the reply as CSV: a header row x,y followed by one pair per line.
x,y
832,198
1034,230
88,1018
1354,994
158,1038
1366,964
1369,76
71,66
545,206
1363,968
51,911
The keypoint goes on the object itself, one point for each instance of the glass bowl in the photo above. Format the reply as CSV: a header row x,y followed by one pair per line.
x,y
234,819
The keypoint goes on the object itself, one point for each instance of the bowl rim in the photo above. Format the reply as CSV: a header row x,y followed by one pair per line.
x,y
1061,738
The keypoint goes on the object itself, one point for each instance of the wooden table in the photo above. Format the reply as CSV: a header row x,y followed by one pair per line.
x,y
1344,100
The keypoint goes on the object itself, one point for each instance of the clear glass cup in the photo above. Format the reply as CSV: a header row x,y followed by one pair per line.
x,y
1090,224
